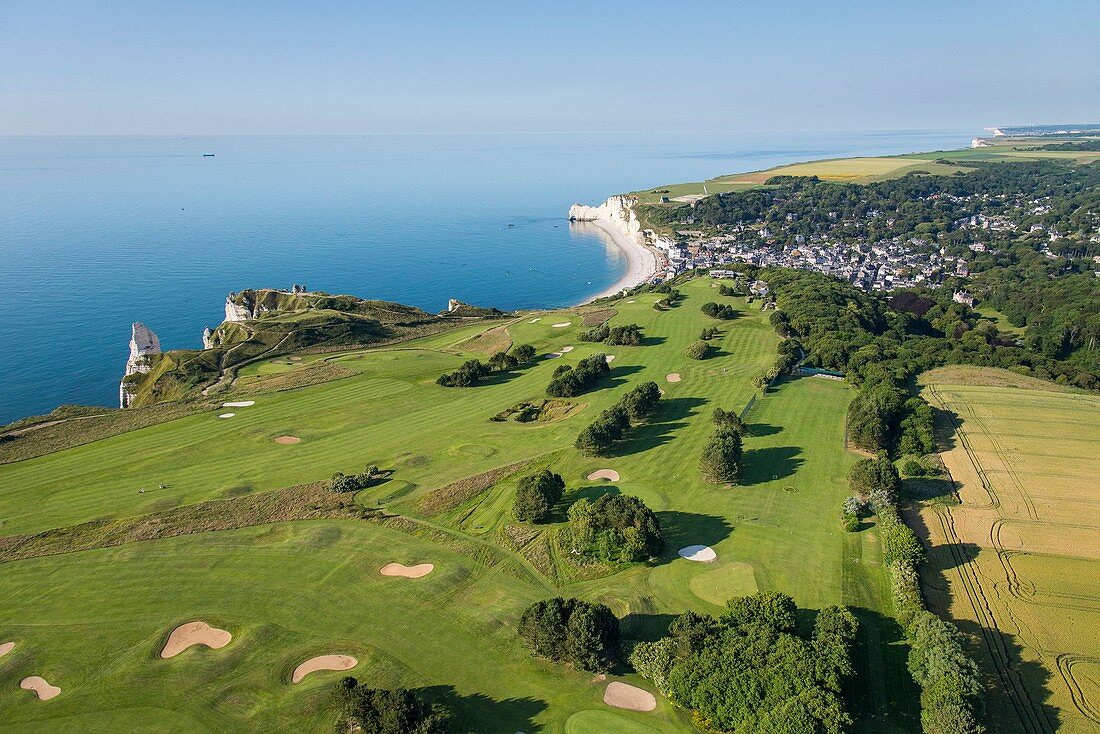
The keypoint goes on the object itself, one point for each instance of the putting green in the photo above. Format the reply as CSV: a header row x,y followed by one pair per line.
x,y
728,580
605,722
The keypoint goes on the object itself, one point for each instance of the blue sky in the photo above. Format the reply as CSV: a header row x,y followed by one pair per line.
x,y
361,67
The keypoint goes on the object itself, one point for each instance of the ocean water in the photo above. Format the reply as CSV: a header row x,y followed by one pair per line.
x,y
98,232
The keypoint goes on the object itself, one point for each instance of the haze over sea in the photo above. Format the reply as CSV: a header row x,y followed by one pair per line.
x,y
98,232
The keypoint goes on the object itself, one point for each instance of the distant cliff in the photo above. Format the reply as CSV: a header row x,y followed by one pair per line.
x,y
143,344
617,211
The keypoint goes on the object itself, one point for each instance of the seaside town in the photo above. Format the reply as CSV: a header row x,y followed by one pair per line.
x,y
883,264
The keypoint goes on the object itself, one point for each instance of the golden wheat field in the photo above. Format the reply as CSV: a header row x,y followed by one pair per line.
x,y
1017,562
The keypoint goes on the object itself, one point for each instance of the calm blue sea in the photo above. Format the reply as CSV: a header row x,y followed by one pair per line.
x,y
98,232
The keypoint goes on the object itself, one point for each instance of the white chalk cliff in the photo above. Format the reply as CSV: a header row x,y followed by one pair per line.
x,y
207,338
237,311
143,342
617,211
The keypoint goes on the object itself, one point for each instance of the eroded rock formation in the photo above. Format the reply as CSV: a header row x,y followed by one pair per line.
x,y
143,342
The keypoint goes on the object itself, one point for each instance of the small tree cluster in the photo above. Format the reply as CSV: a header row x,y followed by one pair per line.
x,y
709,333
536,495
524,353
612,424
727,419
342,483
628,335
722,311
748,671
721,459
726,290
571,631
384,711
668,301
467,375
951,691
569,382
916,428
876,480
853,509
502,361
614,528
697,350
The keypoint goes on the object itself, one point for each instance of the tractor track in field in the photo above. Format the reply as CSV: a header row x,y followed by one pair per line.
x,y
1081,702
1028,712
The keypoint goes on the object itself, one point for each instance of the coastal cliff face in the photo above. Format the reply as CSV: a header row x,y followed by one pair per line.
x,y
617,211
238,309
143,342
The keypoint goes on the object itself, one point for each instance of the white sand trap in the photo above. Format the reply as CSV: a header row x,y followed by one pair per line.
x,y
674,377
562,325
609,358
566,350
6,648
323,662
287,440
239,404
626,696
700,553
194,633
227,415
609,474
631,301
295,359
41,688
408,572
554,355
535,321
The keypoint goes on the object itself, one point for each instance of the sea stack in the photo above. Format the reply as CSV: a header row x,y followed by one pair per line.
x,y
143,342
207,338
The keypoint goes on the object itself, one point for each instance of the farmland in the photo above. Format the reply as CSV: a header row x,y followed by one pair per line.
x,y
125,566
1017,563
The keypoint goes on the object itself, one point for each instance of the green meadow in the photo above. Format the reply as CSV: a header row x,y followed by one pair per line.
x,y
93,622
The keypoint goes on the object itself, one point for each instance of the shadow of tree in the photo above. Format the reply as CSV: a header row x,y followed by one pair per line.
x,y
472,711
681,529
1017,690
644,626
759,430
659,429
769,464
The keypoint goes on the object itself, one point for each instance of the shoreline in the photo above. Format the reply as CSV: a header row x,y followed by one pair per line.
x,y
641,262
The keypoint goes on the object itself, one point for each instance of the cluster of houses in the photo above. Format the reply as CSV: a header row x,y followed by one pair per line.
x,y
883,265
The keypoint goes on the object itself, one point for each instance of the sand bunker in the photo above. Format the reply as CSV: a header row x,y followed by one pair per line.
x,y
295,359
239,404
6,648
609,474
194,633
535,321
227,415
42,689
562,325
323,662
609,358
674,377
287,440
566,350
553,355
701,553
631,301
626,696
408,572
